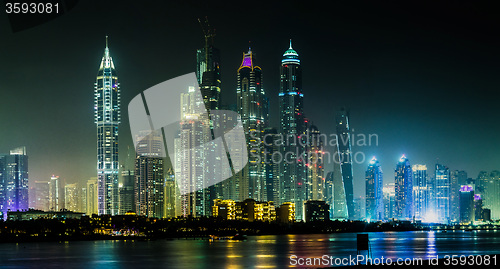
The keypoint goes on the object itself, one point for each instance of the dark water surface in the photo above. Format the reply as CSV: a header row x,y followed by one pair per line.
x,y
270,251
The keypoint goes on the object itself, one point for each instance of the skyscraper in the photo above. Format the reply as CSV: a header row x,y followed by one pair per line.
x,y
208,71
466,204
56,194
389,195
314,163
374,194
457,179
14,181
250,102
92,197
171,194
71,195
345,156
189,166
403,200
329,188
442,193
491,194
149,187
127,192
420,191
107,119
42,195
293,174
209,80
271,165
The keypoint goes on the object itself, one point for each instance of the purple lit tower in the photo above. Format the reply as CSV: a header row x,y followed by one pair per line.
x,y
252,105
14,181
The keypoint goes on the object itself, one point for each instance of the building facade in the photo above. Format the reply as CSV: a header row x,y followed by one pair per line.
x,y
466,204
403,190
442,193
314,164
345,157
107,119
251,103
374,191
420,191
293,172
14,181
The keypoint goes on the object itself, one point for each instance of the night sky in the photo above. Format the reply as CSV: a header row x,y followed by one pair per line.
x,y
423,77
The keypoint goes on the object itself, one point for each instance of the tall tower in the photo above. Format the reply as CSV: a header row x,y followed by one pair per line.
x,y
374,194
251,107
314,164
403,187
107,119
345,157
208,69
14,181
189,166
293,175
442,193
420,191
209,79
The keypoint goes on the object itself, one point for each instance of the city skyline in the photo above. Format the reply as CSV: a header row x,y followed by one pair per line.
x,y
46,145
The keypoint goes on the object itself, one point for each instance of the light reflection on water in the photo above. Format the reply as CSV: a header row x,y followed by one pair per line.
x,y
270,251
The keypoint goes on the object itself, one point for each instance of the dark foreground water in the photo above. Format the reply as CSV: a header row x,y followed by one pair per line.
x,y
271,251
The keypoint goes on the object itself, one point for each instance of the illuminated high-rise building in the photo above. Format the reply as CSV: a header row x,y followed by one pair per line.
x,y
315,166
491,194
208,71
56,193
126,190
71,197
42,195
293,173
209,80
149,189
442,193
403,188
107,119
374,195
250,102
420,191
389,195
345,157
329,192
171,194
271,163
466,204
92,198
457,179
14,181
189,166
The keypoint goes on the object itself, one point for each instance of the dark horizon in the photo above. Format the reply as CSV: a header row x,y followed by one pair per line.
x,y
423,78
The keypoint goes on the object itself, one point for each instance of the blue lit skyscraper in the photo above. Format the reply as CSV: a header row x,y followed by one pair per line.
x,y
442,193
14,181
293,175
345,157
374,194
420,191
107,119
403,188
